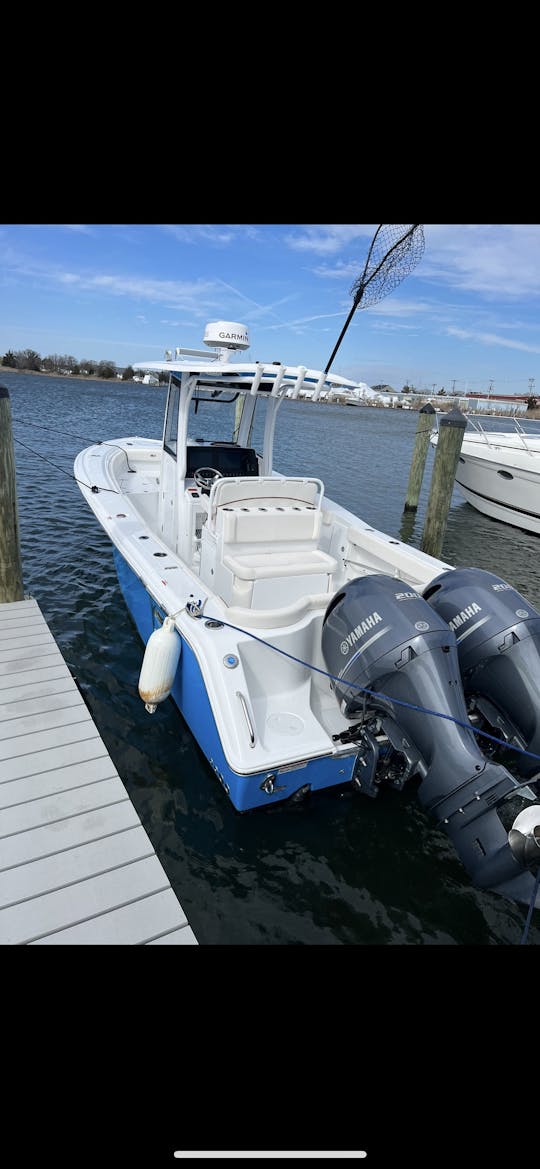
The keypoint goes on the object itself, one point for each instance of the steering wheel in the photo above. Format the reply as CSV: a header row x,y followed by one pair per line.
x,y
205,476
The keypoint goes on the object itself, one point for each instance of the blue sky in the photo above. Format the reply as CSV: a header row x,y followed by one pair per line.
x,y
469,313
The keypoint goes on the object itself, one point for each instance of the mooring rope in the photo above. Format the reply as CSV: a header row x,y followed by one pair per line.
x,y
194,610
89,486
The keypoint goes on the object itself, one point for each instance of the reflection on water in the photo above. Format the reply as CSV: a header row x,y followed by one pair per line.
x,y
474,539
339,869
407,527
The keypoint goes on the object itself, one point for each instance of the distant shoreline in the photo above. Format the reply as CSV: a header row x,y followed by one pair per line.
x,y
81,377
529,416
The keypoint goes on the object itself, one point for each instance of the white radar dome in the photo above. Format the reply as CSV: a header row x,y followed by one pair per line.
x,y
226,335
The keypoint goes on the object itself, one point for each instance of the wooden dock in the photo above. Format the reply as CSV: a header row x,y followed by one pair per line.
x,y
76,865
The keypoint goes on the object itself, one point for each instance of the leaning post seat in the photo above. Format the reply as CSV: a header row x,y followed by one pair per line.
x,y
264,490
261,541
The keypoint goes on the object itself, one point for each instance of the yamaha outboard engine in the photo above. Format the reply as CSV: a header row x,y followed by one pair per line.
x,y
498,639
397,664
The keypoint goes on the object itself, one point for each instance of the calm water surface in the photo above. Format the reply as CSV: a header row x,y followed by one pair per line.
x,y
339,869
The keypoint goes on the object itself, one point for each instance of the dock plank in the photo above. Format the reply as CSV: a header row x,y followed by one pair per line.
x,y
134,924
24,641
21,612
73,830
60,779
181,937
50,912
52,809
76,864
36,762
14,673
9,629
82,727
67,711
15,699
41,647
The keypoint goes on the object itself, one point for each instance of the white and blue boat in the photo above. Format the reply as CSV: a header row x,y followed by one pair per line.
x,y
304,648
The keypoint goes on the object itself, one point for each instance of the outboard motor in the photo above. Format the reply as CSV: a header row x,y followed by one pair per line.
x,y
498,640
397,664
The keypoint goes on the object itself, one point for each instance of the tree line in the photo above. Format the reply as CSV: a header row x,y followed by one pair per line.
x,y
63,363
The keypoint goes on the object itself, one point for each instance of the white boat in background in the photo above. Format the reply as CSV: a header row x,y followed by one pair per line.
x,y
499,474
305,649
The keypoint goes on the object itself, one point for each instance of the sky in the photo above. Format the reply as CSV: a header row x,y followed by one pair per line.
x,y
466,318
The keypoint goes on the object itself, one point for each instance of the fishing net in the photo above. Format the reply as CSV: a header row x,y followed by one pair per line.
x,y
396,248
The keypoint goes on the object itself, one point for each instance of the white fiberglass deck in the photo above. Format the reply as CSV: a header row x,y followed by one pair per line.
x,y
76,865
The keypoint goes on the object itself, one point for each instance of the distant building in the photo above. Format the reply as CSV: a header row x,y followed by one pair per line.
x,y
499,397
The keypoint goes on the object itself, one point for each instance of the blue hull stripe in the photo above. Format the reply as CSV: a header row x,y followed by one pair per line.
x,y
189,694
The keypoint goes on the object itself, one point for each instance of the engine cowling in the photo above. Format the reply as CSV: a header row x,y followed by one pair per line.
x,y
391,655
373,627
498,642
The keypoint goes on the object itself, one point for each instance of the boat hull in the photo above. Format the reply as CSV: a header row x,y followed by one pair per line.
x,y
190,696
501,491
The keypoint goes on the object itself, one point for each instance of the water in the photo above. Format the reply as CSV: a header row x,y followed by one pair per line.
x,y
339,869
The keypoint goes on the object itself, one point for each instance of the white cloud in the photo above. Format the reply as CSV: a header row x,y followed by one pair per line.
x,y
217,235
340,271
198,296
305,320
192,233
328,238
81,228
492,339
392,326
177,324
400,308
501,261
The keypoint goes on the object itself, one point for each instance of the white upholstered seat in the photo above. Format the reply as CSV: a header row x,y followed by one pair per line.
x,y
258,549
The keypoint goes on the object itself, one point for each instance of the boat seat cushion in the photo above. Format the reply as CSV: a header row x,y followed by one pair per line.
x,y
254,525
265,565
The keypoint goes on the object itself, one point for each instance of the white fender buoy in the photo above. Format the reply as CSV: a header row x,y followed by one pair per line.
x,y
160,664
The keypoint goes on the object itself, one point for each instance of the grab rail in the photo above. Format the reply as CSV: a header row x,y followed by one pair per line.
x,y
244,706
493,437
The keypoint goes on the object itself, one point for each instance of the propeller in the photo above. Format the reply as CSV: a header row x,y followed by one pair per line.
x,y
524,838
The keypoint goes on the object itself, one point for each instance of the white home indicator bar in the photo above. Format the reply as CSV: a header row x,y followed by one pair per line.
x,y
265,1153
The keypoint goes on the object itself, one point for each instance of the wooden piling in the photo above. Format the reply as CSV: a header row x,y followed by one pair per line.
x,y
451,430
416,474
11,586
